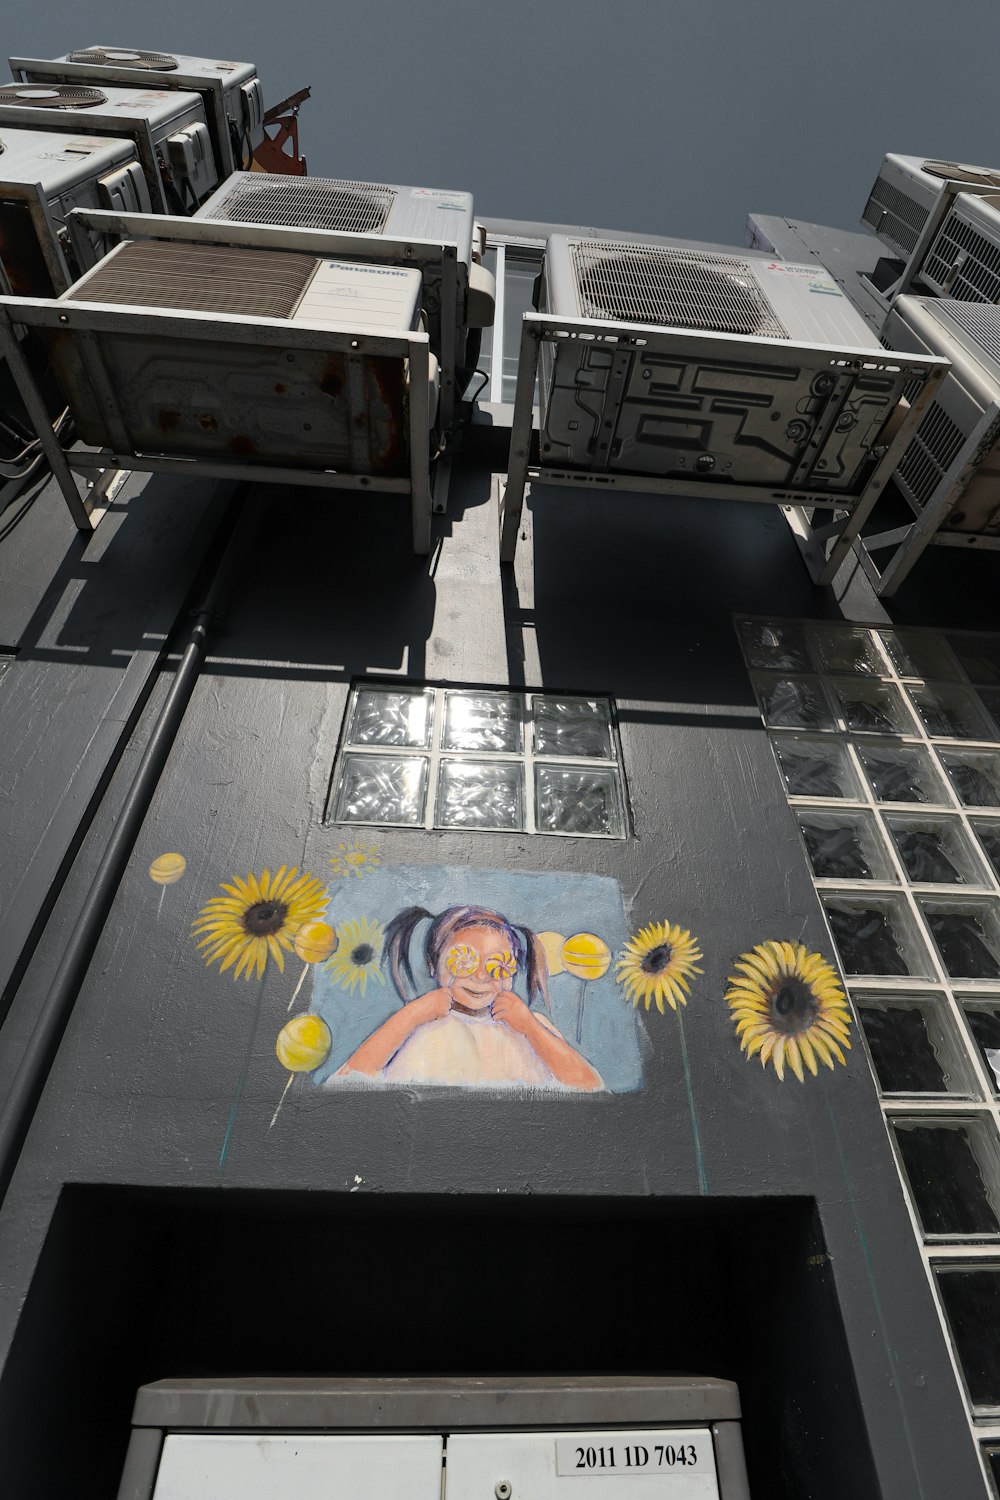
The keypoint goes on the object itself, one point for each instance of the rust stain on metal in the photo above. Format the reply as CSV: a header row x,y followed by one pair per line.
x,y
244,446
386,412
208,422
168,419
331,382
279,388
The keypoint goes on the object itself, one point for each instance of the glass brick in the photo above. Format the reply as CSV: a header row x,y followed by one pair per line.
x,y
876,935
872,707
912,1047
916,653
990,699
901,773
983,1020
793,703
845,846
935,851
988,833
967,935
482,721
579,727
975,775
578,800
382,789
391,716
971,1300
979,655
815,767
774,645
477,794
951,1170
951,713
842,649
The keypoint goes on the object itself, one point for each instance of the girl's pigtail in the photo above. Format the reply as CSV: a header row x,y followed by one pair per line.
x,y
538,968
396,949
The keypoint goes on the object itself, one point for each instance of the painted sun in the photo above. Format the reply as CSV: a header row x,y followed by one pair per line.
x,y
657,964
789,1007
355,856
256,919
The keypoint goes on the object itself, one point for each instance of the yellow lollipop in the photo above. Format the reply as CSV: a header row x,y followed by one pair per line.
x,y
586,955
313,942
303,1044
167,868
553,943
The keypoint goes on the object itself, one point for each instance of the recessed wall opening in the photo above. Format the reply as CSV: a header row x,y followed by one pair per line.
x,y
136,1285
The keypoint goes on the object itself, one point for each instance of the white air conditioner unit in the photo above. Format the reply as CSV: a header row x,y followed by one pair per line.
x,y
403,218
233,99
45,174
168,127
908,191
963,261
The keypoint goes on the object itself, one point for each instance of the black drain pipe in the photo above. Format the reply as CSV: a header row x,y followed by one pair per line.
x,y
43,1044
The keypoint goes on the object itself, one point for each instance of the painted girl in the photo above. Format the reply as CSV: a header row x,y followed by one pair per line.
x,y
471,1027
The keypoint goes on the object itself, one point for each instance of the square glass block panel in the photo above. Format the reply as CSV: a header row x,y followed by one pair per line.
x,y
578,800
381,789
5,662
841,649
975,775
479,794
992,1457
951,713
774,645
391,716
815,767
912,1045
983,1019
845,846
578,727
902,773
951,1170
876,935
915,653
935,850
988,697
979,655
793,702
482,721
971,1300
872,707
988,833
967,934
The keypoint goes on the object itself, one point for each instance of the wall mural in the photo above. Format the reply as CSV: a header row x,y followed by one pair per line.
x,y
789,1007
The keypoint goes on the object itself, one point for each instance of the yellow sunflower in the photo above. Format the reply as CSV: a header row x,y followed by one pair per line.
x,y
788,1005
259,916
359,947
657,963
355,857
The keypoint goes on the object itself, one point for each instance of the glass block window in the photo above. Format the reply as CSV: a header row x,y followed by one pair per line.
x,y
970,1296
480,760
951,1168
913,1048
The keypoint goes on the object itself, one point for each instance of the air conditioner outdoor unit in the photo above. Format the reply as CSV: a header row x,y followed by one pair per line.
x,y
950,471
222,360
234,101
909,189
963,261
43,175
703,371
168,127
403,219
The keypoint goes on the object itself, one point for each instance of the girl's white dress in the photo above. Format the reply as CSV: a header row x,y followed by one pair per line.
x,y
468,1050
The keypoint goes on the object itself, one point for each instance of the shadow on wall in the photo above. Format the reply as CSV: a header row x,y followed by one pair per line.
x,y
136,1285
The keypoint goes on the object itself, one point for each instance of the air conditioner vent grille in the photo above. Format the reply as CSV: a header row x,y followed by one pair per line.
x,y
977,278
215,278
893,215
930,454
51,95
676,288
126,57
981,321
309,203
958,171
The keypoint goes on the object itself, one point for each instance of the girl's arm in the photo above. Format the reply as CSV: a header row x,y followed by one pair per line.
x,y
383,1044
563,1061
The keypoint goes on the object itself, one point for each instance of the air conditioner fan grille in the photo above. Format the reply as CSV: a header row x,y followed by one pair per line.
x,y
211,278
979,320
671,287
893,215
958,171
308,203
126,57
50,95
964,262
930,454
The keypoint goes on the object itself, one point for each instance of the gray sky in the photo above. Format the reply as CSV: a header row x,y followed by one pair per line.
x,y
659,116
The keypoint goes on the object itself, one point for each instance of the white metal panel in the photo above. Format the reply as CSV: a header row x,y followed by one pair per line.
x,y
347,295
227,1466
670,1463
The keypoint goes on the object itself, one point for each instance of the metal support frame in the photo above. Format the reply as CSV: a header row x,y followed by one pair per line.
x,y
826,549
87,320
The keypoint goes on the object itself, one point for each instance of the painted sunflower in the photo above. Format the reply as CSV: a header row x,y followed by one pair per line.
x,y
258,917
789,1006
355,857
657,963
356,960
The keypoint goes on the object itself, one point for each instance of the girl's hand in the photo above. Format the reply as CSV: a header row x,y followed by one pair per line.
x,y
512,1011
429,1007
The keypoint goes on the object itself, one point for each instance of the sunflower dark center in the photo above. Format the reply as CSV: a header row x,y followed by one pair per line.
x,y
265,918
793,1007
656,960
362,954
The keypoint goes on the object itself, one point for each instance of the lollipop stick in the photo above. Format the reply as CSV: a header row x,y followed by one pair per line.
x,y
159,904
281,1101
295,996
579,1011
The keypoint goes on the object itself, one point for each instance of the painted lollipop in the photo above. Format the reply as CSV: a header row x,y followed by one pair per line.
x,y
314,941
303,1045
165,870
588,957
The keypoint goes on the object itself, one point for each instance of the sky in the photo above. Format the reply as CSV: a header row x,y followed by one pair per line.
x,y
654,116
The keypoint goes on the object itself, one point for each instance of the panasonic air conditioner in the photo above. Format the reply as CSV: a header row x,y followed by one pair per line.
x,y
765,375
45,174
233,99
168,127
908,191
401,217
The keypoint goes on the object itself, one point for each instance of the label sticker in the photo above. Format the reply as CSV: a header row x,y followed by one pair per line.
x,y
672,1454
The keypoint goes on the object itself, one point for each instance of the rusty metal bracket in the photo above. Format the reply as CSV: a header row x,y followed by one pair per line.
x,y
273,155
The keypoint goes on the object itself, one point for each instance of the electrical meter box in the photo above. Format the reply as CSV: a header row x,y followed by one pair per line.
x,y
529,1438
